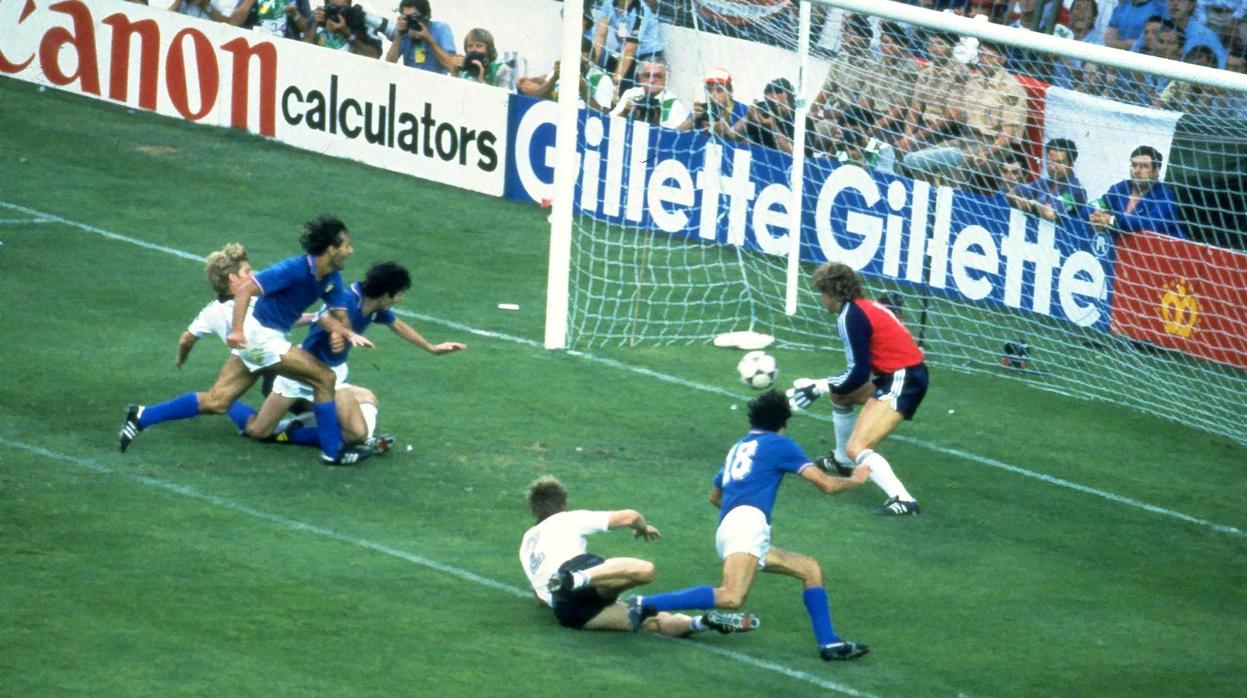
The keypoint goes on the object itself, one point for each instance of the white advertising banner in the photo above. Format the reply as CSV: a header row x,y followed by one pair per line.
x,y
386,115
1105,132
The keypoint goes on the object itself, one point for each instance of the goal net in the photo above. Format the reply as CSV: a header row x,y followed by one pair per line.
x,y
1034,204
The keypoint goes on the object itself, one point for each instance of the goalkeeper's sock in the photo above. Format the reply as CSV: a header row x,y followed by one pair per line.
x,y
881,474
370,416
843,419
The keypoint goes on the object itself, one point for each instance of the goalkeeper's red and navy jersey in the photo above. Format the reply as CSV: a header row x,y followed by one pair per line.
x,y
875,341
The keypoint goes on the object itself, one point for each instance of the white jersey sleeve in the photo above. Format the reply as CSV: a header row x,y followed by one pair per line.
x,y
556,540
216,318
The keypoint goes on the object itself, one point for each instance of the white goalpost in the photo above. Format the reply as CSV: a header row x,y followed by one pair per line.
x,y
986,190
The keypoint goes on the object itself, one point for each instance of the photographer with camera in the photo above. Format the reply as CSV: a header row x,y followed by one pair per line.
x,y
480,62
770,120
423,42
720,110
650,101
341,26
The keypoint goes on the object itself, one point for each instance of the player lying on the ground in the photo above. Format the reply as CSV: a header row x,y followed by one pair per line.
x,y
581,588
258,341
876,344
369,300
744,490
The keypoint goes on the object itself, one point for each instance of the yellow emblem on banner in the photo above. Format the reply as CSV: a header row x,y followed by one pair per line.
x,y
1179,308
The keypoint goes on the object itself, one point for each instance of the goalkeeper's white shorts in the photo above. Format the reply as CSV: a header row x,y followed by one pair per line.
x,y
744,530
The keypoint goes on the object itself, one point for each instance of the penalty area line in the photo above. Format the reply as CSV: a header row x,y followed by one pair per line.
x,y
331,534
693,385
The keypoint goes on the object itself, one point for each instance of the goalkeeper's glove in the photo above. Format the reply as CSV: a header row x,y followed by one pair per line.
x,y
805,391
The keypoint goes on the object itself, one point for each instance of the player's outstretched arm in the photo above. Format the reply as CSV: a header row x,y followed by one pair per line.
x,y
716,497
185,343
410,334
630,518
830,484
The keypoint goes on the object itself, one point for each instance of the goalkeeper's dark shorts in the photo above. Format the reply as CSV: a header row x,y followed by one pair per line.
x,y
577,607
903,389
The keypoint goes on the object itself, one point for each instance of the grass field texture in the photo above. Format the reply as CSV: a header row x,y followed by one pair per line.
x,y
1065,547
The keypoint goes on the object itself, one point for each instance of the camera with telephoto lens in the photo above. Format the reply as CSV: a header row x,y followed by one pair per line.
x,y
414,22
475,57
646,107
333,11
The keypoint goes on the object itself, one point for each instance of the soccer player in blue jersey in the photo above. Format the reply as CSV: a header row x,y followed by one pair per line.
x,y
368,301
744,490
886,375
258,340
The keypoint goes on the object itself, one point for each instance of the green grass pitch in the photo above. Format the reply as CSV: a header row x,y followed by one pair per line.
x,y
1065,547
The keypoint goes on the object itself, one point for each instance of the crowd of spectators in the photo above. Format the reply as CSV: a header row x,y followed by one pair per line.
x,y
927,104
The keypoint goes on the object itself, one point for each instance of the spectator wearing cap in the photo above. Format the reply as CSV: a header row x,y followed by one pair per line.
x,y
935,112
625,33
1142,202
1058,194
423,42
1225,18
720,110
650,100
1125,25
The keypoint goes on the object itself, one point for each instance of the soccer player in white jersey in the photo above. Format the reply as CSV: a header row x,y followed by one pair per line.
x,y
744,489
581,588
227,270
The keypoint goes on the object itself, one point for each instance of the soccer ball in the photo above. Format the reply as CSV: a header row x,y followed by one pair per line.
x,y
757,370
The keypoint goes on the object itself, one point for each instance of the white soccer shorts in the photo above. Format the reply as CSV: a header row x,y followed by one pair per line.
x,y
295,390
265,346
744,530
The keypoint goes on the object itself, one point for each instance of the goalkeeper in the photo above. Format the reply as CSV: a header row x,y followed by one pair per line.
x,y
875,344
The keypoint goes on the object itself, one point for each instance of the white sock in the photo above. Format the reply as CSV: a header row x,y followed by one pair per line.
x,y
580,580
881,474
697,624
370,416
843,418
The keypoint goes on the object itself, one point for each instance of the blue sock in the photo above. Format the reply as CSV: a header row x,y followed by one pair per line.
x,y
303,436
181,407
327,424
692,597
239,413
820,616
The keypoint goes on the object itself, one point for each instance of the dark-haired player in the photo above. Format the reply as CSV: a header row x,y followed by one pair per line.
x,y
875,342
744,489
258,339
369,300
583,589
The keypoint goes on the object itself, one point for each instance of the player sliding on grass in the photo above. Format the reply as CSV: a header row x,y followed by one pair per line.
x,y
875,342
744,490
370,300
583,589
258,339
